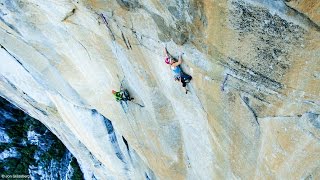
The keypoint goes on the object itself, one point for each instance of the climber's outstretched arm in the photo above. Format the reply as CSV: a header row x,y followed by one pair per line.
x,y
166,52
178,63
180,59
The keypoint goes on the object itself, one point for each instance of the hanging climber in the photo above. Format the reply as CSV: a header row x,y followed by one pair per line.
x,y
122,95
179,75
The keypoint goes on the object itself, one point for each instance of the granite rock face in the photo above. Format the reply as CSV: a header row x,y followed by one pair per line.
x,y
253,107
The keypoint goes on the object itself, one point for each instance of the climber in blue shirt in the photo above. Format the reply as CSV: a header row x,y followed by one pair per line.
x,y
179,75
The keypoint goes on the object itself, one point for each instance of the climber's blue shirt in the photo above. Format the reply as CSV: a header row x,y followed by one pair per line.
x,y
176,70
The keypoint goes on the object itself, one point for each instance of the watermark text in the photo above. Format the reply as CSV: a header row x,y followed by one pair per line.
x,y
15,176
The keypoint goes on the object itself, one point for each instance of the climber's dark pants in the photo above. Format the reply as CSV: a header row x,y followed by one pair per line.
x,y
126,96
185,78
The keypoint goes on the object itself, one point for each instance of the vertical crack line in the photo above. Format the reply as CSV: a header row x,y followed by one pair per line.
x,y
138,36
224,82
85,49
108,27
247,103
129,44
124,40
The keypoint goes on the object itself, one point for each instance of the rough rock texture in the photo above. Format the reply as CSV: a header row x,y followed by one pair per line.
x,y
252,113
310,8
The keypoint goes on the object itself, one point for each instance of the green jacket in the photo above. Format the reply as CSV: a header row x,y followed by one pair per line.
x,y
118,96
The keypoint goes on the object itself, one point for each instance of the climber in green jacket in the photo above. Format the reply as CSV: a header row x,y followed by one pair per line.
x,y
122,95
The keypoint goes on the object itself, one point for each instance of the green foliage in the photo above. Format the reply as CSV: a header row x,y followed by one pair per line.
x,y
19,165
16,131
77,174
55,152
4,146
16,128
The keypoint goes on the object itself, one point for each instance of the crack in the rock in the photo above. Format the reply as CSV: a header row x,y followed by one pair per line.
x,y
6,31
84,48
68,15
247,73
252,93
281,116
25,97
224,82
311,134
247,103
1,46
79,43
137,35
10,26
108,26
129,44
124,40
305,17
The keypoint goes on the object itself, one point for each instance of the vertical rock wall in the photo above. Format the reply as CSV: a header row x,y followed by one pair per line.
x,y
253,106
